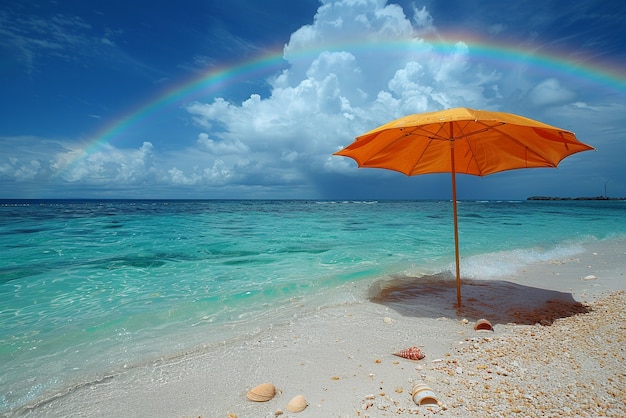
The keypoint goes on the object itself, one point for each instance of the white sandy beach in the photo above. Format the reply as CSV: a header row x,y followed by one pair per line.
x,y
557,350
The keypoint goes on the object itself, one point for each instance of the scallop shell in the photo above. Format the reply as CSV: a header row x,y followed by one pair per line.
x,y
483,325
297,404
262,393
411,353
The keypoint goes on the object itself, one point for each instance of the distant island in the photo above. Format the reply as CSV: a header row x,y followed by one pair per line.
x,y
574,198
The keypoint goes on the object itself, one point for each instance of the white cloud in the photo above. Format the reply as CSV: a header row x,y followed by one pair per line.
x,y
551,92
106,166
336,89
26,171
177,177
359,64
218,173
423,21
221,147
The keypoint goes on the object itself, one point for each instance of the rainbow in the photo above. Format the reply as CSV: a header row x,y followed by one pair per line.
x,y
208,82
216,80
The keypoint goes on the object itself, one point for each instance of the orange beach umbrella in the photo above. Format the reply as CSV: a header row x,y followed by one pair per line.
x,y
462,140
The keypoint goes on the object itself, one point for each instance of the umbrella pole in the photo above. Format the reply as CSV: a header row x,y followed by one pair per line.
x,y
456,223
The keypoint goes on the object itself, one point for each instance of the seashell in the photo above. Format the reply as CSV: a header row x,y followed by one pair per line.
x,y
411,353
297,404
483,325
262,393
423,395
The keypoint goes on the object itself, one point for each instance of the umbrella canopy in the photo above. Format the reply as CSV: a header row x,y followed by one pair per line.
x,y
462,140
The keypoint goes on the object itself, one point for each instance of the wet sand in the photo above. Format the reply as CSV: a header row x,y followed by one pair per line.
x,y
557,348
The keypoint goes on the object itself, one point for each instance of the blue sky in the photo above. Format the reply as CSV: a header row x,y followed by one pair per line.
x,y
85,84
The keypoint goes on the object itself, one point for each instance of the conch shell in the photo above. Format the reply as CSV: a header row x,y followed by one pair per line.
x,y
297,404
411,353
262,393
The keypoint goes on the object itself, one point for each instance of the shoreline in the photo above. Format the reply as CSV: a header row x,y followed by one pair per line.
x,y
341,357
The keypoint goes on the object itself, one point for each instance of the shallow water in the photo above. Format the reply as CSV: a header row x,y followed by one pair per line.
x,y
90,287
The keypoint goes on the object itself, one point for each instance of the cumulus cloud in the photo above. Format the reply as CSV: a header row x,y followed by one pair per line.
x,y
357,65
106,166
28,158
20,170
221,147
551,92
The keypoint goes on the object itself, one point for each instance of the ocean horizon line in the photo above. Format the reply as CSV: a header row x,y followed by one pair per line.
x,y
90,199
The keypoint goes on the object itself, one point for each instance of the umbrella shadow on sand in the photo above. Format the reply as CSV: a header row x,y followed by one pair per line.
x,y
499,301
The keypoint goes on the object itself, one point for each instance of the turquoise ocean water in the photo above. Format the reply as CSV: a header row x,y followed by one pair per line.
x,y
91,287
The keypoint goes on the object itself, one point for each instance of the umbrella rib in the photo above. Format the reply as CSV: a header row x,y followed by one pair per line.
x,y
436,136
505,134
428,134
405,133
419,158
527,149
479,131
431,137
469,144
